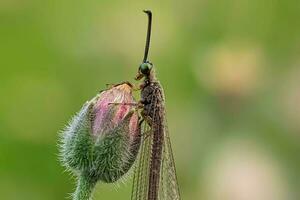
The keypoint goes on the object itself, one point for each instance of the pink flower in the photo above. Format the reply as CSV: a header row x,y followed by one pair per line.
x,y
110,110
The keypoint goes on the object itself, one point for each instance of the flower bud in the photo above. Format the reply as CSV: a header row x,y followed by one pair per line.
x,y
102,140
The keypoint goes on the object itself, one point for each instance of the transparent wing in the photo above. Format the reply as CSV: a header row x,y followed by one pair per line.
x,y
168,188
168,185
142,165
141,173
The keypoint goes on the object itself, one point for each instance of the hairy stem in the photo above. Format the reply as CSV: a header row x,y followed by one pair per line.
x,y
84,188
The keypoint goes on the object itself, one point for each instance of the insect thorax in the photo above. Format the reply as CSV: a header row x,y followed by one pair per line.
x,y
153,100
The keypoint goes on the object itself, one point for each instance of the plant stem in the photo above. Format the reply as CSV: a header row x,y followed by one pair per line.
x,y
84,189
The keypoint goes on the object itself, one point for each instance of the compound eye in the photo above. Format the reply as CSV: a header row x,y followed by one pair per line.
x,y
145,68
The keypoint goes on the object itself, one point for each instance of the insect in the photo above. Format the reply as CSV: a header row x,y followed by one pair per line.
x,y
155,174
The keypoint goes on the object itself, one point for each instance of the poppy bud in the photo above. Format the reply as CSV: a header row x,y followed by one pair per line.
x,y
102,140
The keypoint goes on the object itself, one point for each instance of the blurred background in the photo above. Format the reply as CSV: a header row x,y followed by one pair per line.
x,y
230,70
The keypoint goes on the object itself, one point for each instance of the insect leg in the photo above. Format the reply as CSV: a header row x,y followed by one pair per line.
x,y
138,105
148,134
141,121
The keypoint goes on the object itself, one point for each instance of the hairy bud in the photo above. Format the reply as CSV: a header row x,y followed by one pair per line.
x,y
102,140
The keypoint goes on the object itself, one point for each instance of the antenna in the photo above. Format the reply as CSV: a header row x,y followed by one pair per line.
x,y
149,13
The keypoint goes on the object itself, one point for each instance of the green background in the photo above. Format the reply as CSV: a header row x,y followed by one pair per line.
x,y
230,70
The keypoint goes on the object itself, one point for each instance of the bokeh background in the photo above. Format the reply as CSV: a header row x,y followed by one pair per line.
x,y
231,73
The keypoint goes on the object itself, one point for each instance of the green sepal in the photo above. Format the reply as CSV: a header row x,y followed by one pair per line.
x,y
77,142
114,152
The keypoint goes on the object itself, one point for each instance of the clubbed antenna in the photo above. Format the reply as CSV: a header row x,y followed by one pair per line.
x,y
149,13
